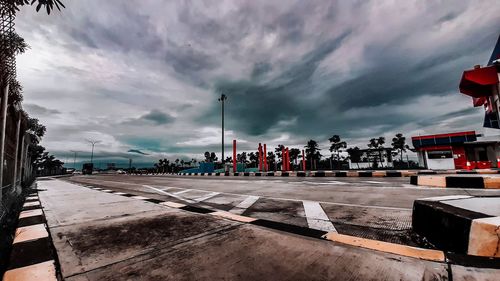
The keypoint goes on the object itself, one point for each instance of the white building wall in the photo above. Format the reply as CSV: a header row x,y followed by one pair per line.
x,y
440,164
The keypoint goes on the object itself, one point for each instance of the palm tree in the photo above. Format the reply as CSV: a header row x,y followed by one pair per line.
x,y
271,158
312,153
253,157
377,144
354,155
336,145
294,155
47,4
399,143
279,151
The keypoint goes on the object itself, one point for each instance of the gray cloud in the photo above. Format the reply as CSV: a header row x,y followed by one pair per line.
x,y
37,110
292,70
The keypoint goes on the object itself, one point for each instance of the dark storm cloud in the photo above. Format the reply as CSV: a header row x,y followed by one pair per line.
x,y
254,107
137,151
292,70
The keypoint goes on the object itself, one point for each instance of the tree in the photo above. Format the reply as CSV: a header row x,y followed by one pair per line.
x,y
399,143
354,155
207,156
271,159
213,157
336,145
47,4
294,155
312,153
279,151
377,144
253,157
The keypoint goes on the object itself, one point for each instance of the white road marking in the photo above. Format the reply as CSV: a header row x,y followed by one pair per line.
x,y
288,199
208,196
169,194
375,182
316,217
245,204
165,188
182,191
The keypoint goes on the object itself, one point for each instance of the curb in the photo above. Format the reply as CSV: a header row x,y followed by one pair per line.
x,y
487,182
398,249
455,229
309,174
33,256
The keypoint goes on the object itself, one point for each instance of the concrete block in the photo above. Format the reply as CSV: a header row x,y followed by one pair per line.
x,y
484,237
438,181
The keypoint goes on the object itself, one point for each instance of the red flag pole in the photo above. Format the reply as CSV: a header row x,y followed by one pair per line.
x,y
303,161
287,159
265,158
260,157
234,156
283,167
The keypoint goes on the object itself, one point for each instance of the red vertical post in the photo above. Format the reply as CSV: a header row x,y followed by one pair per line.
x,y
287,159
265,158
234,156
260,157
303,161
283,167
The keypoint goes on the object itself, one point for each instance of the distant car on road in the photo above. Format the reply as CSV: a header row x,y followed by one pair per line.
x,y
121,172
87,168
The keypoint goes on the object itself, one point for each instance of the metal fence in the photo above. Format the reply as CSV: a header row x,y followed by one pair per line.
x,y
15,167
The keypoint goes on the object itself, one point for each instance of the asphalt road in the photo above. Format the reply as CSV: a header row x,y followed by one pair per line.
x,y
376,208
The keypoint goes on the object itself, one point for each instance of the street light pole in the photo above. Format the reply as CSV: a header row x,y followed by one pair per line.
x,y
93,143
74,159
222,98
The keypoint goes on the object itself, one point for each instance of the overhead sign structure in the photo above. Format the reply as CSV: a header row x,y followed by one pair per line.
x,y
482,84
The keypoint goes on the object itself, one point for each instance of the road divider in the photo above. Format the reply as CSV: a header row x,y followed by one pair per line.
x,y
460,224
464,181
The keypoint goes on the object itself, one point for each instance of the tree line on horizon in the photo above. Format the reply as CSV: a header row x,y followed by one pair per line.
x,y
314,158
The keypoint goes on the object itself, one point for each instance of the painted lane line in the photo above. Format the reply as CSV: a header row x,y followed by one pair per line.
x,y
169,194
316,217
245,204
208,196
181,192
295,200
375,182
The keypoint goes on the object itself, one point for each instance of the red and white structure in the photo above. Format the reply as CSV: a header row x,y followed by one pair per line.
x,y
460,150
482,84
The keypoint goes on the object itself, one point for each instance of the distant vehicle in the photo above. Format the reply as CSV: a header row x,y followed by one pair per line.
x,y
121,172
77,172
87,168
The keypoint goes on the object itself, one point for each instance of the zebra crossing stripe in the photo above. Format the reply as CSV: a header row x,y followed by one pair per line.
x,y
208,196
245,204
316,217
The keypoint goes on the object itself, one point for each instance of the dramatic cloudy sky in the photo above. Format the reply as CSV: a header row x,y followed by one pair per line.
x,y
145,75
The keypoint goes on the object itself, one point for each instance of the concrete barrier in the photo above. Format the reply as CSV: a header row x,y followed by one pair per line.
x,y
479,181
459,224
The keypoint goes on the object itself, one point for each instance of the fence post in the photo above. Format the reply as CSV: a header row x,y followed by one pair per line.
x,y
16,151
3,123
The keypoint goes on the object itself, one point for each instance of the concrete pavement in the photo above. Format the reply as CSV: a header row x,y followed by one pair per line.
x,y
104,234
374,208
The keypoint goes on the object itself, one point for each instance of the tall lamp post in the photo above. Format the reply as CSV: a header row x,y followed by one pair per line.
x,y
74,159
93,143
222,98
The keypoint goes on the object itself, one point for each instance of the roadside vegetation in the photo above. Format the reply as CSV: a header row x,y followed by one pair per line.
x,y
376,154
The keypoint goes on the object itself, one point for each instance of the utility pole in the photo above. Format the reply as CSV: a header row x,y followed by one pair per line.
x,y
74,159
222,98
93,143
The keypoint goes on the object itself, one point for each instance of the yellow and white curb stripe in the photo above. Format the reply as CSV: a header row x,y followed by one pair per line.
x,y
32,256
